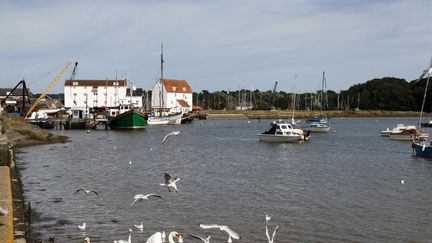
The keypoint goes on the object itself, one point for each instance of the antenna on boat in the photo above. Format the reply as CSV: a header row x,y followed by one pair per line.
x,y
427,71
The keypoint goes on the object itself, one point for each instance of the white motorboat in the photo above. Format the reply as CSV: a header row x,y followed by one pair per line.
x,y
283,132
173,119
316,127
399,127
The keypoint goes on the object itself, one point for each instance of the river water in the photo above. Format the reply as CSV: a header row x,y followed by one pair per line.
x,y
338,187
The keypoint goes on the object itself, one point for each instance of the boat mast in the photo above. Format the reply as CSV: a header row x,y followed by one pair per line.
x,y
322,93
161,84
424,96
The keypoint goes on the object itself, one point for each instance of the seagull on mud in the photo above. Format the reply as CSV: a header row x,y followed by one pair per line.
x,y
142,197
81,227
225,228
3,212
170,183
175,133
88,191
205,240
271,239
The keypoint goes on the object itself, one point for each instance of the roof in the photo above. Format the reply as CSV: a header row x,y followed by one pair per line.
x,y
183,103
106,82
16,92
176,86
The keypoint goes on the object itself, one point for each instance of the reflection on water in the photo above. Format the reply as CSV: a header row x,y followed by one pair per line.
x,y
342,186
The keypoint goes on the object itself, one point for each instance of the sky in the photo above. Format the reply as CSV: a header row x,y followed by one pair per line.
x,y
215,45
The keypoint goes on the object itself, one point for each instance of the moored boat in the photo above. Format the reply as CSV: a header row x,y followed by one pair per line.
x,y
283,132
171,119
408,133
398,128
131,119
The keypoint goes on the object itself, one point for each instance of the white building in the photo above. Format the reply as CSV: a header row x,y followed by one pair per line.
x,y
172,94
85,94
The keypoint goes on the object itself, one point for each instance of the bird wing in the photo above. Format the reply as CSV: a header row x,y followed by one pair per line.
x,y
274,233
176,179
172,188
165,138
155,238
136,199
208,226
231,232
95,192
153,195
198,237
267,234
81,189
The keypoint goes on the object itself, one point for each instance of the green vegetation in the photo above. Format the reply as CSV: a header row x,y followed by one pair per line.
x,y
390,94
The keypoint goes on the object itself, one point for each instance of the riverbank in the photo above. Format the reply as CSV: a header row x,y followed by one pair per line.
x,y
287,114
15,133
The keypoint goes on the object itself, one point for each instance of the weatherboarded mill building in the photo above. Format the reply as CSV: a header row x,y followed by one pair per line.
x,y
172,95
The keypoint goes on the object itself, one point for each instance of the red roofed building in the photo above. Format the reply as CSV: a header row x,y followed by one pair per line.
x,y
172,94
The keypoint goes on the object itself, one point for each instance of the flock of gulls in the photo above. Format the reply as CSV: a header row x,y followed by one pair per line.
x,y
173,237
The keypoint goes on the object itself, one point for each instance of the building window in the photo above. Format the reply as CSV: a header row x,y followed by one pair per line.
x,y
184,89
115,83
75,83
174,88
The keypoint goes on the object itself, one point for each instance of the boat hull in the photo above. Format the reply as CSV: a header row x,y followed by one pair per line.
x,y
132,119
165,120
423,150
279,138
322,129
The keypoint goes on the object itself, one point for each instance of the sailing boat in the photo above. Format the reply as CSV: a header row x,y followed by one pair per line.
x,y
161,115
423,147
318,123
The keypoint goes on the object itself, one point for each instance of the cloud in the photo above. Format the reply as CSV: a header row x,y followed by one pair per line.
x,y
217,45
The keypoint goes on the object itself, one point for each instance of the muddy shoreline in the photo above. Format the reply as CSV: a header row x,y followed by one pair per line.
x,y
20,135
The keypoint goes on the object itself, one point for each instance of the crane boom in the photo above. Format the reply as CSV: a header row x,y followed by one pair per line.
x,y
48,88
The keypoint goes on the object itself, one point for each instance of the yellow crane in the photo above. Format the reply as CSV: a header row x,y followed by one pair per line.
x,y
48,88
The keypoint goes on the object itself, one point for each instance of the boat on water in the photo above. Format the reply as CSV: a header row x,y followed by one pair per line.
x,y
408,133
169,119
131,119
423,147
398,128
40,119
318,123
283,132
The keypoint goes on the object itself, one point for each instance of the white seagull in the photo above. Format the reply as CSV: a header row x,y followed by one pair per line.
x,y
158,237
88,191
205,240
141,197
170,183
139,226
81,227
267,218
175,133
86,240
271,239
124,241
225,228
3,212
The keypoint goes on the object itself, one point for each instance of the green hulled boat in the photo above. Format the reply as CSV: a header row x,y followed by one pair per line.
x,y
132,119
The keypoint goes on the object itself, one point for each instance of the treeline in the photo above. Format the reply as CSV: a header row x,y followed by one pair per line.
x,y
387,93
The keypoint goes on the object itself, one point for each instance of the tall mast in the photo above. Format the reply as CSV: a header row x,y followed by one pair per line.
x,y
161,83
322,93
427,84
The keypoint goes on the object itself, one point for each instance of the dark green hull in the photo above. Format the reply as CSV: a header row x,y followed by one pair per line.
x,y
132,119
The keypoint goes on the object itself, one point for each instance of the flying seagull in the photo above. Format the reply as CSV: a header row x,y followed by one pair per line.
x,y
271,239
170,183
88,191
175,133
81,227
141,197
225,228
205,240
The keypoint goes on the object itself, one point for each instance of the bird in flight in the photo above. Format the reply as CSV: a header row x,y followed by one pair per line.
x,y
205,240
271,239
170,183
81,227
142,197
175,133
88,191
225,228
